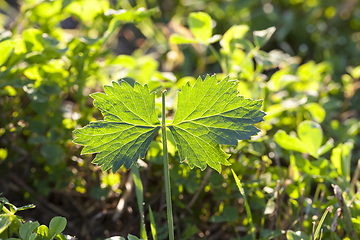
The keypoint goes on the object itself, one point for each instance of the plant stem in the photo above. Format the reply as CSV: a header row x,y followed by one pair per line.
x,y
219,59
12,215
166,171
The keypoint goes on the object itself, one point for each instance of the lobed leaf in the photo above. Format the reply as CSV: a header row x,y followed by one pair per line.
x,y
208,114
211,113
127,130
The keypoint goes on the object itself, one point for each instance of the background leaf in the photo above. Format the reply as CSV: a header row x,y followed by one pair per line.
x,y
43,232
200,26
57,225
261,37
235,32
26,230
311,134
5,221
289,142
178,39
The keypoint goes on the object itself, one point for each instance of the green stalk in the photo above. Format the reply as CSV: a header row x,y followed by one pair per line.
x,y
12,215
140,199
219,59
166,171
318,229
247,207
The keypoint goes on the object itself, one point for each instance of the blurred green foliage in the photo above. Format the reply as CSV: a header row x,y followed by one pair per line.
x,y
55,53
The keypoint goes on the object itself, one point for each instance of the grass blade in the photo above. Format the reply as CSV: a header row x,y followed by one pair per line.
x,y
247,207
140,200
152,224
318,228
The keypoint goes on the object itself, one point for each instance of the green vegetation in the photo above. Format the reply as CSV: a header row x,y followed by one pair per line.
x,y
297,177
208,114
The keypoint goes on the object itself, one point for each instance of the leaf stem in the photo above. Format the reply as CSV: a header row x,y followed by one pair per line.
x,y
12,215
166,171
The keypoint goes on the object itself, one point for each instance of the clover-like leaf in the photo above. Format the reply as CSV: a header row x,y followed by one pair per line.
x,y
200,25
127,130
236,32
57,225
26,229
210,113
309,141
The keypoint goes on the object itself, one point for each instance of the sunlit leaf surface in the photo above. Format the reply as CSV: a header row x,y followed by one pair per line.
x,y
211,113
128,128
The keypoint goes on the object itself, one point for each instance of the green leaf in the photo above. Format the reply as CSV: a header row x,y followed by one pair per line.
x,y
341,159
128,128
140,199
43,232
261,37
178,39
5,221
326,147
211,113
311,134
123,16
215,38
141,14
317,167
200,26
132,237
63,237
309,141
316,111
152,224
57,225
34,40
6,47
235,32
318,228
26,230
289,142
